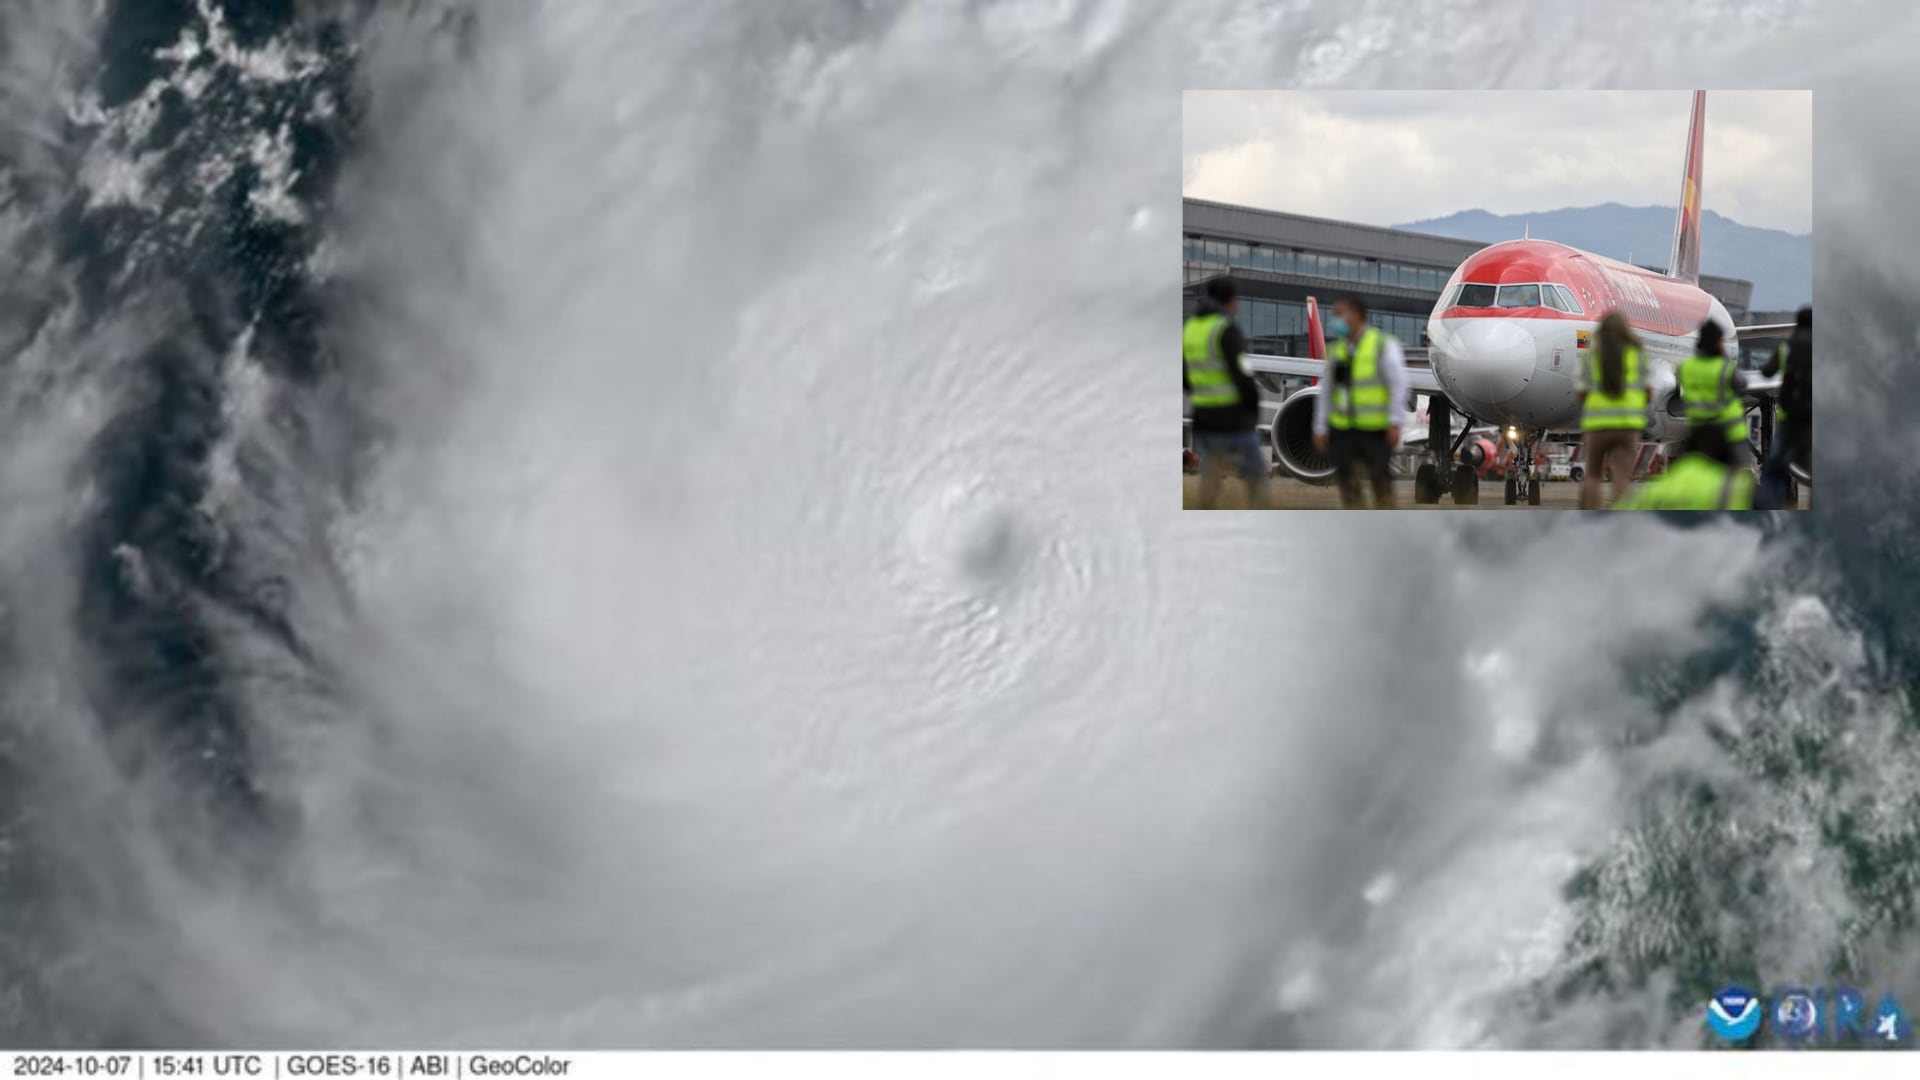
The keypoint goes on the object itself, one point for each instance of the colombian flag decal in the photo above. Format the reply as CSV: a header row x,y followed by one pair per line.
x,y
1582,338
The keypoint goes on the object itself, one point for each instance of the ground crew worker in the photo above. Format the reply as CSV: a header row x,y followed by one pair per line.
x,y
1704,478
1710,384
1225,399
1793,425
1357,420
1614,408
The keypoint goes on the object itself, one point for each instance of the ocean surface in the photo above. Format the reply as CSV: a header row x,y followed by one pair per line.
x,y
606,524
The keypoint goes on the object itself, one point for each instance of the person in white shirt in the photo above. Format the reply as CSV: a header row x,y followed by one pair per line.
x,y
1358,415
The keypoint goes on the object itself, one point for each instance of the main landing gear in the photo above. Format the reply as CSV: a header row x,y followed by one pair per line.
x,y
1438,475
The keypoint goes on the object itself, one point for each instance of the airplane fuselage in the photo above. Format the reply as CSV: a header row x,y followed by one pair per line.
x,y
1518,319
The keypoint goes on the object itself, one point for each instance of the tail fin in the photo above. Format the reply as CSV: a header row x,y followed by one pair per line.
x,y
1316,337
1684,263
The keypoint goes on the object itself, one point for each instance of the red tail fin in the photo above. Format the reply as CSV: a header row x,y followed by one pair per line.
x,y
1316,338
1684,263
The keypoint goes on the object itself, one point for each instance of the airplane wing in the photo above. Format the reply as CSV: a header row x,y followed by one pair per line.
x,y
1420,380
1770,330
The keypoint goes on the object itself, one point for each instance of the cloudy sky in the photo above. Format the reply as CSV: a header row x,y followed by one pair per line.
x,y
1385,158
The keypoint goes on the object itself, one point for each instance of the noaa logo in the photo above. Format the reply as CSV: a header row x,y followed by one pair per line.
x,y
1734,1014
1796,1015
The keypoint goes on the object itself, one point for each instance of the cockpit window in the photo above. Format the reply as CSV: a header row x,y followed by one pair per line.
x,y
1519,296
1567,300
1472,295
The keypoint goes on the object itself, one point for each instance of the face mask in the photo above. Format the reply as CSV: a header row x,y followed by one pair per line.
x,y
1337,327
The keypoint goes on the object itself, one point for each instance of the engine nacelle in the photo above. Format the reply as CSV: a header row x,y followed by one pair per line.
x,y
1293,439
1478,453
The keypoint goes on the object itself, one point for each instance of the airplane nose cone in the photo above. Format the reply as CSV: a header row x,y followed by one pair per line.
x,y
1492,359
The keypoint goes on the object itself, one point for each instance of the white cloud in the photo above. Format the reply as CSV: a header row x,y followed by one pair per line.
x,y
1385,157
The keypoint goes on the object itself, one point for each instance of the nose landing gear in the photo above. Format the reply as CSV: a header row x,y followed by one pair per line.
x,y
1520,478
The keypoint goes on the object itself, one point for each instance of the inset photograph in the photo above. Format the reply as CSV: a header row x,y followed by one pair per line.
x,y
1492,299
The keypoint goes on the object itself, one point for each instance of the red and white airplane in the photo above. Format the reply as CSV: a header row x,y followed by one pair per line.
x,y
1510,332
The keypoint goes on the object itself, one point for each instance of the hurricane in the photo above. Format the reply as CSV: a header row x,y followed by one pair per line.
x,y
638,525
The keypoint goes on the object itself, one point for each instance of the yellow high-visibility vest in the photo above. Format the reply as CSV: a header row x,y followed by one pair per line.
x,y
1362,402
1706,385
1695,482
1210,384
1626,410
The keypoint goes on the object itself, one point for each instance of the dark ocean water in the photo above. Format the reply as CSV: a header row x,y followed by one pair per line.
x,y
372,672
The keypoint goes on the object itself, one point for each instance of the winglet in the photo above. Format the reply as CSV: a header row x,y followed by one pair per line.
x,y
1684,263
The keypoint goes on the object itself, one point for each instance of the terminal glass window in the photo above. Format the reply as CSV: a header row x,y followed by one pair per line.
x,y
1519,296
1263,320
1216,251
1237,254
1369,272
1283,260
1195,248
1472,295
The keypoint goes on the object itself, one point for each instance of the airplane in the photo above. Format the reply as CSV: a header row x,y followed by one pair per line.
x,y
1509,334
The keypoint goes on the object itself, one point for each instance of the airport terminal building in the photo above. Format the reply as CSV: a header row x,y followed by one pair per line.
x,y
1277,260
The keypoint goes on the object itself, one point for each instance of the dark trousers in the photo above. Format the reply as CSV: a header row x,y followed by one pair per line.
x,y
1354,451
1789,444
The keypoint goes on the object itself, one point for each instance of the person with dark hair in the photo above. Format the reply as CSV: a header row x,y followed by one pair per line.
x,y
1614,408
1793,423
1711,383
1357,420
1703,478
1225,399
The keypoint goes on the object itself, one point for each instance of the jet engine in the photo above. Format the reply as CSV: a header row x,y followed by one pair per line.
x,y
1293,439
1480,454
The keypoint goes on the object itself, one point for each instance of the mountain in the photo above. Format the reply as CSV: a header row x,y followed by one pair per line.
x,y
1779,264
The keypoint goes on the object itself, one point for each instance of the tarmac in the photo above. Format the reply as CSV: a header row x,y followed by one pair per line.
x,y
1291,494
